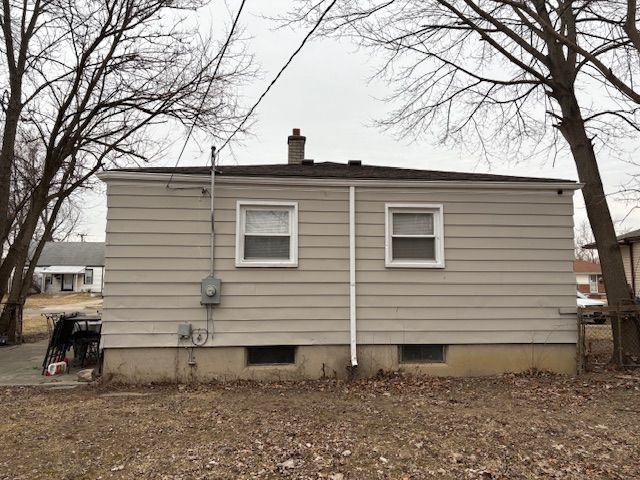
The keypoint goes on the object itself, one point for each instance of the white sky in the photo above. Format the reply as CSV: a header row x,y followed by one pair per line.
x,y
326,93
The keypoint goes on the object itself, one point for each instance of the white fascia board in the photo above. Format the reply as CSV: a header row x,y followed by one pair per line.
x,y
203,181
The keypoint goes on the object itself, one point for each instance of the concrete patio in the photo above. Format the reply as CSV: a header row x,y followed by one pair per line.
x,y
22,365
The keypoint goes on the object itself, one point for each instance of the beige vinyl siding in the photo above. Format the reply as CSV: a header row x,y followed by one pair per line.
x,y
158,251
508,254
629,268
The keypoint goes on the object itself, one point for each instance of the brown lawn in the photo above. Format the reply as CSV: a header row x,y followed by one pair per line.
x,y
509,427
34,326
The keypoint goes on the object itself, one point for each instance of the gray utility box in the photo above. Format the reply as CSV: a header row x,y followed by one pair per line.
x,y
184,330
210,291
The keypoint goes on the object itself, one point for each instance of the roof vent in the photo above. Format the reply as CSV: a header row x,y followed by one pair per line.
x,y
355,163
307,161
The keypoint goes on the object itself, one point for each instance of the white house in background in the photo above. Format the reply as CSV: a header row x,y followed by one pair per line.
x,y
630,251
71,267
319,267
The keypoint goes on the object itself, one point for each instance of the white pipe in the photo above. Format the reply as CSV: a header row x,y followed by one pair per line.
x,y
352,275
213,231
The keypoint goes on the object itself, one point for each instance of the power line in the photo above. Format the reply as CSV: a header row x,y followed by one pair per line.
x,y
284,67
206,94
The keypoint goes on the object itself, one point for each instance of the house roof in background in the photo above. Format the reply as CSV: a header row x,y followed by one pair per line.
x,y
583,266
629,237
72,254
339,170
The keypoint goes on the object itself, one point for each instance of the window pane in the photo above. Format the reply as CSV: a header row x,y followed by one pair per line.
x,y
422,353
88,276
413,223
267,221
271,355
413,248
266,247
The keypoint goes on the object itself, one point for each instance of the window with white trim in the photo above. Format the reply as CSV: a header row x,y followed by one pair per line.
x,y
593,283
266,234
414,236
88,276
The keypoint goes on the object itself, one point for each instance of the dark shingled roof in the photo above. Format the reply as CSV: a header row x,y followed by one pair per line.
x,y
340,170
629,237
66,254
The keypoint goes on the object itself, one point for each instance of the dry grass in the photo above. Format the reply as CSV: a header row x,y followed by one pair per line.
x,y
34,328
34,325
45,300
509,427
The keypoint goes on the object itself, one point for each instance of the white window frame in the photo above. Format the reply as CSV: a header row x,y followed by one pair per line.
x,y
438,233
292,208
593,284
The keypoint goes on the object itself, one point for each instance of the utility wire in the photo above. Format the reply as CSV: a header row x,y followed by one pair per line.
x,y
206,94
284,67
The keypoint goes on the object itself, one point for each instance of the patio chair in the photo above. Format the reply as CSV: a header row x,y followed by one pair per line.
x,y
86,343
60,341
52,319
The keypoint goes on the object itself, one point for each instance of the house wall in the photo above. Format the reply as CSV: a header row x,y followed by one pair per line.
x,y
631,270
584,286
95,286
508,276
78,282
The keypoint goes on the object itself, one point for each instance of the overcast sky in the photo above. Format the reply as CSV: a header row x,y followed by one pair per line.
x,y
327,94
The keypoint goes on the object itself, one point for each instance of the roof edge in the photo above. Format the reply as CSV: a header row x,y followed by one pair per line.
x,y
117,176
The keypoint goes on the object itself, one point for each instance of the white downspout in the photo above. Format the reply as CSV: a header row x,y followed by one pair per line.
x,y
212,237
352,275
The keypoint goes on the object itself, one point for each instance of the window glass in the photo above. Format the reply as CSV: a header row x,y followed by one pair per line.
x,y
413,224
88,276
266,247
414,248
266,221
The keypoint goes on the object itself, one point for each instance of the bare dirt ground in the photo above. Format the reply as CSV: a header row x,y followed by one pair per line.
x,y
34,325
509,427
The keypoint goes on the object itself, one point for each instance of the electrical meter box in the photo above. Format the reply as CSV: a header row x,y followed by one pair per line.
x,y
210,291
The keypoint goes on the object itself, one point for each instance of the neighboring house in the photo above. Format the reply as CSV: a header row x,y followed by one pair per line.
x,y
71,267
630,251
589,278
325,265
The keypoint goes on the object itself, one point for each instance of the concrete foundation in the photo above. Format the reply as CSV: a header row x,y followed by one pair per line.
x,y
142,365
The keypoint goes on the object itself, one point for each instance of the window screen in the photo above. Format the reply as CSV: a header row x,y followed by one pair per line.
x,y
422,353
271,355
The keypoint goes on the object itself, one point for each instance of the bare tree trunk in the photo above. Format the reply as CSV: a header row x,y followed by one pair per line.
x,y
6,160
573,128
18,255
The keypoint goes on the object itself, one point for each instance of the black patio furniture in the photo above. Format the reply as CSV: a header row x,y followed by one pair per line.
x,y
80,331
60,341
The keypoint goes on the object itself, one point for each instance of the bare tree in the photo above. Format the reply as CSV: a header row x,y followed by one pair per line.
x,y
511,76
86,85
584,236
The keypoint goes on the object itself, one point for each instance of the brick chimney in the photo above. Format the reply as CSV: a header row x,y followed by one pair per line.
x,y
296,146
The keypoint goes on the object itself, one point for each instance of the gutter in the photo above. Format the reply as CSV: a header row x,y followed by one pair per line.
x,y
200,180
352,276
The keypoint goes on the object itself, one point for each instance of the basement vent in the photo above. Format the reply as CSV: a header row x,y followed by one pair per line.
x,y
422,353
271,355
